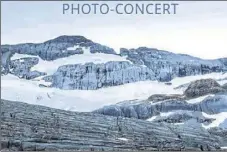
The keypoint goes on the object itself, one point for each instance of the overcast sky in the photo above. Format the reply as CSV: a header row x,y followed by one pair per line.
x,y
198,28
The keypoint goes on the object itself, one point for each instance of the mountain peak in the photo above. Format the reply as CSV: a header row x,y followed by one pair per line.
x,y
69,39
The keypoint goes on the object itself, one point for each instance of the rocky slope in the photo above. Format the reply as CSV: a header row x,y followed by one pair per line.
x,y
31,127
167,65
201,96
171,112
141,64
146,109
57,48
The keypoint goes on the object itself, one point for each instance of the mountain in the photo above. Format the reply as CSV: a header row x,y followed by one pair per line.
x,y
73,68
74,62
167,65
57,48
139,99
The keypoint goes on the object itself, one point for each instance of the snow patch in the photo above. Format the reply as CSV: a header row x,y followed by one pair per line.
x,y
73,48
199,99
50,67
184,80
124,139
152,118
220,118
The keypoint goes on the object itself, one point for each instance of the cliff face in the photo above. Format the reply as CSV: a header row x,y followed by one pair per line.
x,y
145,109
167,65
204,95
141,64
93,76
31,127
57,48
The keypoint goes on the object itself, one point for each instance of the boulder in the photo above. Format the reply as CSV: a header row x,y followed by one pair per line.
x,y
202,87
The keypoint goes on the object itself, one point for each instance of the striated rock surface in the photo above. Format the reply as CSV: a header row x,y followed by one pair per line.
x,y
162,97
93,76
181,116
220,134
213,104
22,68
29,127
5,60
144,109
160,103
167,65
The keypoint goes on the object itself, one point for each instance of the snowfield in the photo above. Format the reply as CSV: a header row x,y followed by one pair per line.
x,y
16,89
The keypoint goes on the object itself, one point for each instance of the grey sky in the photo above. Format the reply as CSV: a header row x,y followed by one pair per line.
x,y
198,28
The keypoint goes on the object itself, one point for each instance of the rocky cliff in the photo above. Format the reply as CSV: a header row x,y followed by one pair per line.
x,y
167,65
30,127
57,48
204,95
92,76
141,64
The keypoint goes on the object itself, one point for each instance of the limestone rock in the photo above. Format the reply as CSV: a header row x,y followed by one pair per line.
x,y
32,127
167,65
57,48
202,87
145,109
22,68
92,76
163,97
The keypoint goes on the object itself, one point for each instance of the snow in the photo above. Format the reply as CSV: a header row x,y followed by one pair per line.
x,y
50,67
123,139
199,99
73,48
184,80
167,114
219,119
15,89
223,124
223,147
222,82
19,56
152,118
